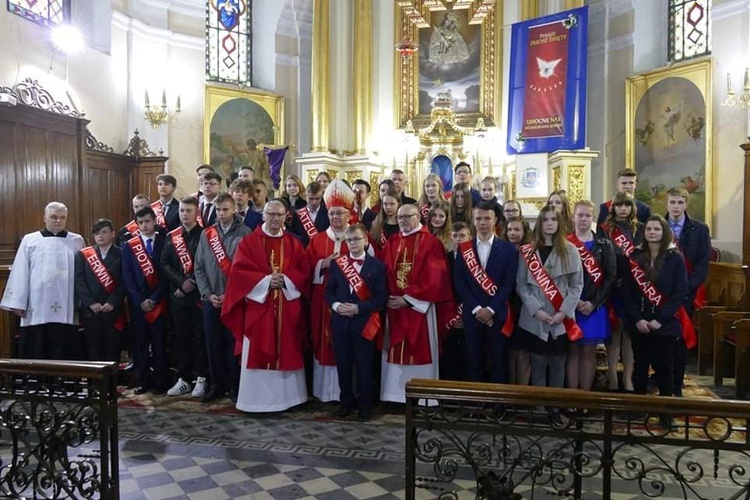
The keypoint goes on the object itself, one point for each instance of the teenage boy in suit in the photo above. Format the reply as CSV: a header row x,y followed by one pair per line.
x,y
357,292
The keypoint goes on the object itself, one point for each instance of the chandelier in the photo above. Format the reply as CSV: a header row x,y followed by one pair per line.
x,y
159,115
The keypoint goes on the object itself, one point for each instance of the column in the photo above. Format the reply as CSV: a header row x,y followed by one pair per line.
x,y
362,73
529,9
320,48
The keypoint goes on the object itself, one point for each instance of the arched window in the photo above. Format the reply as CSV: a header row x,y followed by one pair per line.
x,y
689,29
228,41
44,12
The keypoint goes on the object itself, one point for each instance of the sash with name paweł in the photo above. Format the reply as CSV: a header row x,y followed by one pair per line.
x,y
181,249
549,289
466,249
217,248
359,287
307,223
103,276
649,290
149,273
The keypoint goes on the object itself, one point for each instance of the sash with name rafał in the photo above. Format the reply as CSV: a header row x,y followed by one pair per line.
x,y
149,272
103,276
372,327
217,248
549,289
157,208
133,229
307,223
592,267
180,247
483,280
649,290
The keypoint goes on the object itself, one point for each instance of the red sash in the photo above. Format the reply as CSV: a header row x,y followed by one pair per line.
x,y
199,219
592,267
485,282
217,247
103,276
700,293
548,287
180,247
307,223
649,291
157,208
425,212
372,327
383,238
133,228
456,318
149,272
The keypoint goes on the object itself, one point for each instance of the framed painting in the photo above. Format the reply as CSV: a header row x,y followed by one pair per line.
x,y
668,135
460,50
531,183
238,125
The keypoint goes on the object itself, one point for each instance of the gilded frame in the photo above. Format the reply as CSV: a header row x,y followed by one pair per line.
x,y
413,15
272,104
676,134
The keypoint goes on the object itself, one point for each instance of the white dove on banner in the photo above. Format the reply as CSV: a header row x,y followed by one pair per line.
x,y
547,68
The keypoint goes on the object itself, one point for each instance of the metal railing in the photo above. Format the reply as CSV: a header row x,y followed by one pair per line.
x,y
518,442
58,429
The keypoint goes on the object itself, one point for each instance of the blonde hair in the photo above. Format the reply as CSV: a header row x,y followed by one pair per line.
x,y
423,200
443,233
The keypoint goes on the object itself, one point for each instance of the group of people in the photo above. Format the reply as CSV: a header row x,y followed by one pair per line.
x,y
315,291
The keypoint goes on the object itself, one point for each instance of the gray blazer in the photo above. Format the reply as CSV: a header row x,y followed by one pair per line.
x,y
208,276
569,281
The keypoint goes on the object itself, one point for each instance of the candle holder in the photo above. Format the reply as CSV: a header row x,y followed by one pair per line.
x,y
743,99
159,115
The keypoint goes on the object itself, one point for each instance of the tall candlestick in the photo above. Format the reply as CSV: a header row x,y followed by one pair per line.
x,y
148,104
178,104
163,98
729,82
747,80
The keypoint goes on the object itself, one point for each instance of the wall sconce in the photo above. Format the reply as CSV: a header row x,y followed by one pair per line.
x,y
159,115
741,101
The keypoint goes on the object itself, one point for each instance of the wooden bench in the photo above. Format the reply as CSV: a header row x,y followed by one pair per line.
x,y
732,337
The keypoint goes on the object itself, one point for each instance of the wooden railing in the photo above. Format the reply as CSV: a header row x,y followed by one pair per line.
x,y
570,443
58,430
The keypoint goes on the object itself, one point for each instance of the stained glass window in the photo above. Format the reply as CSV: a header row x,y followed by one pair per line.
x,y
228,42
689,29
44,12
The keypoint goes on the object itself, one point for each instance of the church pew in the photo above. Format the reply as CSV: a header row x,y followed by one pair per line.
x,y
724,339
742,358
704,318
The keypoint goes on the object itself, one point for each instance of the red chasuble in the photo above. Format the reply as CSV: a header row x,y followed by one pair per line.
x,y
416,266
320,247
276,327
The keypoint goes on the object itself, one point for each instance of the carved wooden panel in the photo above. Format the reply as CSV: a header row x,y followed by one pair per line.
x,y
111,178
728,281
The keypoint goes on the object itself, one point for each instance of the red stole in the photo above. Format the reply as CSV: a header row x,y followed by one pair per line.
x,y
359,287
218,250
592,267
103,276
307,223
149,272
180,247
157,208
548,287
133,228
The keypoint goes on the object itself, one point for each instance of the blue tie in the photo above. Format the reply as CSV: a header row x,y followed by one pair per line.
x,y
149,246
675,229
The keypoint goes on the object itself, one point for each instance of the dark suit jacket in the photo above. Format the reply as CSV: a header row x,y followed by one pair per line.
x,y
212,217
171,267
502,266
695,245
368,218
476,197
337,290
172,218
321,224
604,253
252,218
123,235
89,291
135,282
643,211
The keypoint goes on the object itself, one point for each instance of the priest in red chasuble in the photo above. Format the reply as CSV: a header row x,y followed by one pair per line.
x,y
325,247
420,296
263,309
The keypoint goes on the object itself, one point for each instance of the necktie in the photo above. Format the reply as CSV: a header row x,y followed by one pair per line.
x,y
358,261
242,213
206,212
149,246
675,228
164,208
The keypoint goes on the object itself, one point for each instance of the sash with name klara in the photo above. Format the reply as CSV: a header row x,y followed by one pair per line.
x,y
549,289
149,272
372,327
104,278
484,281
649,291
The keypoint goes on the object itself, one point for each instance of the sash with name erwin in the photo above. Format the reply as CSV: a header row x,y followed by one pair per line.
x,y
103,276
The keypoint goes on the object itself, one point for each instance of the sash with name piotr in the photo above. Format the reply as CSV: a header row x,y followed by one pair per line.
x,y
149,272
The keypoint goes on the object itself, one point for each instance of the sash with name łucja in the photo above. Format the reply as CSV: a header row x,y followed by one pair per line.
x,y
178,241
484,281
149,272
649,290
159,212
372,327
592,267
549,288
307,223
103,276
217,248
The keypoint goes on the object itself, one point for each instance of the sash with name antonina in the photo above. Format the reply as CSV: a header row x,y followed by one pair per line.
x,y
217,248
549,289
372,327
149,272
180,247
649,290
592,267
484,281
103,276
307,223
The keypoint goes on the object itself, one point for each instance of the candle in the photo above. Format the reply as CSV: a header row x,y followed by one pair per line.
x,y
148,104
729,82
178,104
747,80
163,98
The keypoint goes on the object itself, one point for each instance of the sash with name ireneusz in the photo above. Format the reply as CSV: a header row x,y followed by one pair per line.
x,y
372,327
485,282
592,267
180,247
649,290
548,287
149,272
103,276
217,248
307,222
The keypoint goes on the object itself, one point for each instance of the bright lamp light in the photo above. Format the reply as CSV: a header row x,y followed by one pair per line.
x,y
67,38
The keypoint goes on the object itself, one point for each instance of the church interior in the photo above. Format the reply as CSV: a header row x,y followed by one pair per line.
x,y
359,88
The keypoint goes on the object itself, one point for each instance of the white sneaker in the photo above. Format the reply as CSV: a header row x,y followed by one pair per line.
x,y
201,388
179,389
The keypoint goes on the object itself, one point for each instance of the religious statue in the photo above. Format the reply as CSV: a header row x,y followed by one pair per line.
x,y
447,46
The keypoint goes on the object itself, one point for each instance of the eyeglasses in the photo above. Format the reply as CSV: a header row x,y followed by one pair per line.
x,y
337,214
405,217
354,240
275,214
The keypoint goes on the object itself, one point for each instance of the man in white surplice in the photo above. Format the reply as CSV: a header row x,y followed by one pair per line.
x,y
40,289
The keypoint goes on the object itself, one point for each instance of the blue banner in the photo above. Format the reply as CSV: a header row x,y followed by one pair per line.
x,y
547,95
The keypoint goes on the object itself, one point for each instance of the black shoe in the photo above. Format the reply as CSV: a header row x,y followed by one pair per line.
x,y
233,396
141,389
364,416
344,411
213,395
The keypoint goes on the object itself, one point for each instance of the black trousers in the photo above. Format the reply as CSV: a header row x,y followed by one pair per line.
x,y
101,339
354,356
657,351
451,360
222,363
189,345
49,341
483,345
150,355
